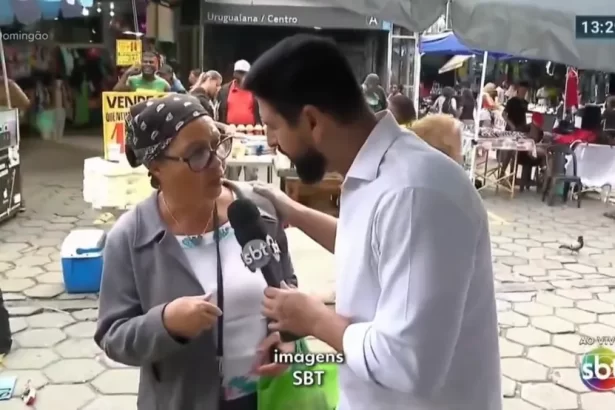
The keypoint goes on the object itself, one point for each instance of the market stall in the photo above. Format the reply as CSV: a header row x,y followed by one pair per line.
x,y
111,184
10,172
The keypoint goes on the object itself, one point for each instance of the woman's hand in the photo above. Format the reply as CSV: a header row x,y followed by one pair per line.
x,y
264,366
188,316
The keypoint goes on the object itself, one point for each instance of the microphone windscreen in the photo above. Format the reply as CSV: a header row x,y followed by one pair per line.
x,y
246,221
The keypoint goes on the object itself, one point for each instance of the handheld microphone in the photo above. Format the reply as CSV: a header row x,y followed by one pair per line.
x,y
258,249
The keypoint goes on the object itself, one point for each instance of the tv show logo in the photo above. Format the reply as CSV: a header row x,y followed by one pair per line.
x,y
257,253
597,370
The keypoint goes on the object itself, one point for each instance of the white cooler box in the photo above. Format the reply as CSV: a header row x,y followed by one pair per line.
x,y
114,184
82,260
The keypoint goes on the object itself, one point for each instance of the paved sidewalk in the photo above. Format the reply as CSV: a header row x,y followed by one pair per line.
x,y
547,299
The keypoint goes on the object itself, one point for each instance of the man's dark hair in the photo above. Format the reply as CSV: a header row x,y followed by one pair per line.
x,y
404,107
516,110
196,72
149,54
524,84
306,70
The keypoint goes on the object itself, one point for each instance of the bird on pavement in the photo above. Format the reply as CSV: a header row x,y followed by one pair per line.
x,y
575,247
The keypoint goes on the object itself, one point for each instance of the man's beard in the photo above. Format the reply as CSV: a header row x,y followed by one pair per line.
x,y
311,166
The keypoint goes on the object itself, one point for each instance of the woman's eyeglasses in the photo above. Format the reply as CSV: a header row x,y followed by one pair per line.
x,y
201,158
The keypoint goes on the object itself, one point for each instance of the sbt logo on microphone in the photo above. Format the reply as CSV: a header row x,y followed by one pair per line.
x,y
257,253
598,369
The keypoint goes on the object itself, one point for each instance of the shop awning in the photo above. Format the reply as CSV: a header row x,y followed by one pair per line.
x,y
453,64
415,15
448,43
30,11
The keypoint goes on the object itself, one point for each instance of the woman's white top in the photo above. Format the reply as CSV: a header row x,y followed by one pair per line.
x,y
244,326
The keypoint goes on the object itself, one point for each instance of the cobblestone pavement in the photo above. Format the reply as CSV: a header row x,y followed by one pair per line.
x,y
547,299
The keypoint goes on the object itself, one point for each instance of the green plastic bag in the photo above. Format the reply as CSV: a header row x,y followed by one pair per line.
x,y
281,393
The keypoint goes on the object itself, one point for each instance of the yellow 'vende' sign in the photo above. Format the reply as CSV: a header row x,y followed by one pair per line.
x,y
115,107
128,52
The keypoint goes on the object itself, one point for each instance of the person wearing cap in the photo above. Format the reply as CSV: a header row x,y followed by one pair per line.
x,y
238,106
172,265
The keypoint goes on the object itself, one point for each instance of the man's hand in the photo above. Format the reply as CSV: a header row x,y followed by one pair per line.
x,y
282,202
293,311
134,70
264,366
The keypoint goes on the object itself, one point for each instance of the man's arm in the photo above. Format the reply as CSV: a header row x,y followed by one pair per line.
x,y
427,246
319,226
123,83
19,99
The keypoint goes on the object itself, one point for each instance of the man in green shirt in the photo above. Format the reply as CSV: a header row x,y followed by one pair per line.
x,y
143,77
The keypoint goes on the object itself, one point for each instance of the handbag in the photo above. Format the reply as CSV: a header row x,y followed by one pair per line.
x,y
302,387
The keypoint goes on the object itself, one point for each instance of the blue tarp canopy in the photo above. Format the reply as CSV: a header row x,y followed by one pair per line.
x,y
30,11
448,43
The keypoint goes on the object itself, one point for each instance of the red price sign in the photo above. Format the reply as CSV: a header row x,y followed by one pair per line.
x,y
118,135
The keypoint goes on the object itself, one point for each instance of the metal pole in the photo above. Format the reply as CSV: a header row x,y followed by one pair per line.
x,y
565,93
202,35
135,18
479,105
5,75
389,59
416,74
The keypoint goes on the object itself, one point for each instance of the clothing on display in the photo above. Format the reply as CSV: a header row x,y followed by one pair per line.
x,y
63,83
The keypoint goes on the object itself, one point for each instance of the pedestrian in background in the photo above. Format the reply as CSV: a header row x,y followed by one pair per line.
x,y
168,74
194,76
403,110
239,107
206,90
374,94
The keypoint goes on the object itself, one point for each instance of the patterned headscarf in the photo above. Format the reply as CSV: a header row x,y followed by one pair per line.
x,y
152,125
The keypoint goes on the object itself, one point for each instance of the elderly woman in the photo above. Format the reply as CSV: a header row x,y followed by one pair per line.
x,y
176,299
403,110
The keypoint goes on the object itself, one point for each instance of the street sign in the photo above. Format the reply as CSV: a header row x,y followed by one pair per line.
x,y
128,52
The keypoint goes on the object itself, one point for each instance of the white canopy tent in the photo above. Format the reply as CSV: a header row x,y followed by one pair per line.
x,y
533,29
